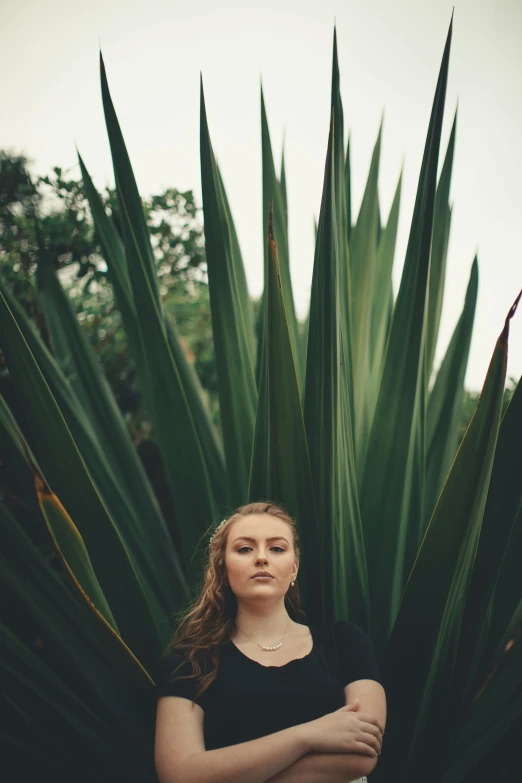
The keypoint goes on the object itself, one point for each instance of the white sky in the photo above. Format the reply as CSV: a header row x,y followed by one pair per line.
x,y
389,55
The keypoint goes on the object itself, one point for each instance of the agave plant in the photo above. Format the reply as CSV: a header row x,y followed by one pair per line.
x,y
334,418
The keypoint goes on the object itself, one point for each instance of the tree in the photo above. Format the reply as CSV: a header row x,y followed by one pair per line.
x,y
51,213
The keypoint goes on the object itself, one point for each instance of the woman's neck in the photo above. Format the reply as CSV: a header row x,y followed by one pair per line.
x,y
263,627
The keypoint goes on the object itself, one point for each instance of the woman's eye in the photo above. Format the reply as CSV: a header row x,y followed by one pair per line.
x,y
273,547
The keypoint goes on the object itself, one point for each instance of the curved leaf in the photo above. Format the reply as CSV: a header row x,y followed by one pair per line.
x,y
421,654
176,434
342,233
363,253
236,378
66,469
90,657
439,250
393,474
280,462
382,305
496,584
272,193
446,401
146,549
114,254
328,426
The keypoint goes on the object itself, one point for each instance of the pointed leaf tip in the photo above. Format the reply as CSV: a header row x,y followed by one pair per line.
x,y
514,306
512,311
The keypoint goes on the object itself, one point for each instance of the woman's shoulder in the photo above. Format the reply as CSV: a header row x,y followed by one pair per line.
x,y
169,660
345,634
357,654
174,655
354,634
180,658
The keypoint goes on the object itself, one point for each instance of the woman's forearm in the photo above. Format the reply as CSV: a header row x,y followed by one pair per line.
x,y
325,768
254,761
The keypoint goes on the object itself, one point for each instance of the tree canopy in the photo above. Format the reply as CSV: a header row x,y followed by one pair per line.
x,y
51,214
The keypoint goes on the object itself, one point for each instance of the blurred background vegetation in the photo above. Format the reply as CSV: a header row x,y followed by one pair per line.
x,y
51,213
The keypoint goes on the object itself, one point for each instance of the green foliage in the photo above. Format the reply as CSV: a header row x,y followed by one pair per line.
x,y
51,213
403,530
471,399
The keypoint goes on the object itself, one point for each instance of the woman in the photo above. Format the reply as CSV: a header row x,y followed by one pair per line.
x,y
246,693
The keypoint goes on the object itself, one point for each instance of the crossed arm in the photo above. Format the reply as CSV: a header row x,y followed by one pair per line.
x,y
340,767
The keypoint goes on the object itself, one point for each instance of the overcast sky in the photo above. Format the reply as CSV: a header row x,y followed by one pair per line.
x,y
389,56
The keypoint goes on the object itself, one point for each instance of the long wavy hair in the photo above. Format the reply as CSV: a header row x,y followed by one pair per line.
x,y
209,620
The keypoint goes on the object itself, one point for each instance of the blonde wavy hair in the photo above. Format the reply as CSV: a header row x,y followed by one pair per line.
x,y
209,620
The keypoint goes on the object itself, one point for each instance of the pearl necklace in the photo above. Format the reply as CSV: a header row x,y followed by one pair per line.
x,y
268,649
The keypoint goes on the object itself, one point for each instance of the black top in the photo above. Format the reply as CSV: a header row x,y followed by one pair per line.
x,y
248,700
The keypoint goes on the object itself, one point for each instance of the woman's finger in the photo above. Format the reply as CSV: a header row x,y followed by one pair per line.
x,y
369,728
366,750
365,716
372,741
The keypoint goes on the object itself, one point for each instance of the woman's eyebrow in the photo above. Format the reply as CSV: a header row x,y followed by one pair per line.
x,y
247,538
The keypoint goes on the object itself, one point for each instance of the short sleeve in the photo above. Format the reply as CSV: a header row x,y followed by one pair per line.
x,y
357,658
166,673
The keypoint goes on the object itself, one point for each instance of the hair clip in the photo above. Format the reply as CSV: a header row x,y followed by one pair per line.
x,y
217,528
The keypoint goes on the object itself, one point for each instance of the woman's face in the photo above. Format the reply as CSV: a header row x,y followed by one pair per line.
x,y
260,542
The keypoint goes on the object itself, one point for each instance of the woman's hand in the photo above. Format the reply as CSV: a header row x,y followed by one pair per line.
x,y
344,732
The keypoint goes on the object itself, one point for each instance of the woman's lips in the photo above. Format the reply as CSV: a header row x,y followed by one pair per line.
x,y
262,578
